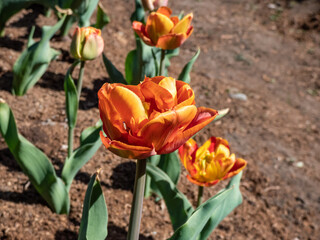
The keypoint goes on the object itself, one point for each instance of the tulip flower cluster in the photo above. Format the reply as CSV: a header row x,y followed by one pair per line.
x,y
145,119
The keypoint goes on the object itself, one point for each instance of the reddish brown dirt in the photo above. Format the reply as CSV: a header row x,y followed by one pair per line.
x,y
268,52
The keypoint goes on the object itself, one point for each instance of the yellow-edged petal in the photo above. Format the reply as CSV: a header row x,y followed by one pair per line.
x,y
183,25
157,26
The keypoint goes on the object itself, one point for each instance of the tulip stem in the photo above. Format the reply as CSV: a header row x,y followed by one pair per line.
x,y
79,86
137,200
162,65
200,194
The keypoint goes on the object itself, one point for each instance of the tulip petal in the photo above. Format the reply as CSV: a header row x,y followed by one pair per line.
x,y
75,44
183,25
165,127
203,117
237,167
202,184
185,94
129,107
140,29
93,47
158,25
165,11
112,121
125,150
171,41
175,20
163,94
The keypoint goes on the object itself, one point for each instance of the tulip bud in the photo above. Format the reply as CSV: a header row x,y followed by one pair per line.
x,y
154,4
87,43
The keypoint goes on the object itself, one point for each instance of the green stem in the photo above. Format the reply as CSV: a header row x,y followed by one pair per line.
x,y
200,193
137,200
79,86
161,70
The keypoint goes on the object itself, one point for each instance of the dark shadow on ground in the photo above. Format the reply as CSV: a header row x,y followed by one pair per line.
x,y
7,42
52,80
7,159
123,176
28,20
65,235
115,232
91,95
6,81
29,196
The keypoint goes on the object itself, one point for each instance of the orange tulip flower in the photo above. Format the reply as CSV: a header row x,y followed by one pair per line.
x,y
155,117
163,31
210,163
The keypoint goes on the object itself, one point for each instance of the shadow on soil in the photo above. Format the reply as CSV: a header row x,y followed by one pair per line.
x,y
65,235
115,232
91,95
123,176
6,81
29,196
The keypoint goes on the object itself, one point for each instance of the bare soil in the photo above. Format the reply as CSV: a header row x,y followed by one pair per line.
x,y
267,50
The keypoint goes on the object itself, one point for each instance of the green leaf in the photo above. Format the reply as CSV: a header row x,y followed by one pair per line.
x,y
170,164
208,215
34,61
132,67
94,219
234,200
102,18
178,206
84,12
114,74
139,13
141,62
90,143
221,114
71,98
185,74
34,163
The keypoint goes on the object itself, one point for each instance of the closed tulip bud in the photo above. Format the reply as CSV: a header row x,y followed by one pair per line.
x,y
163,31
210,163
87,43
154,4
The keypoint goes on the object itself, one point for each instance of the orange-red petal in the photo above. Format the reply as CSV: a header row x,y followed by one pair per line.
x,y
165,11
171,41
125,150
140,29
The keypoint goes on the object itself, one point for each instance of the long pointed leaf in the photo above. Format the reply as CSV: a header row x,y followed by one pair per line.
x,y
170,164
185,74
226,207
34,61
178,206
208,215
94,219
114,74
34,163
89,145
